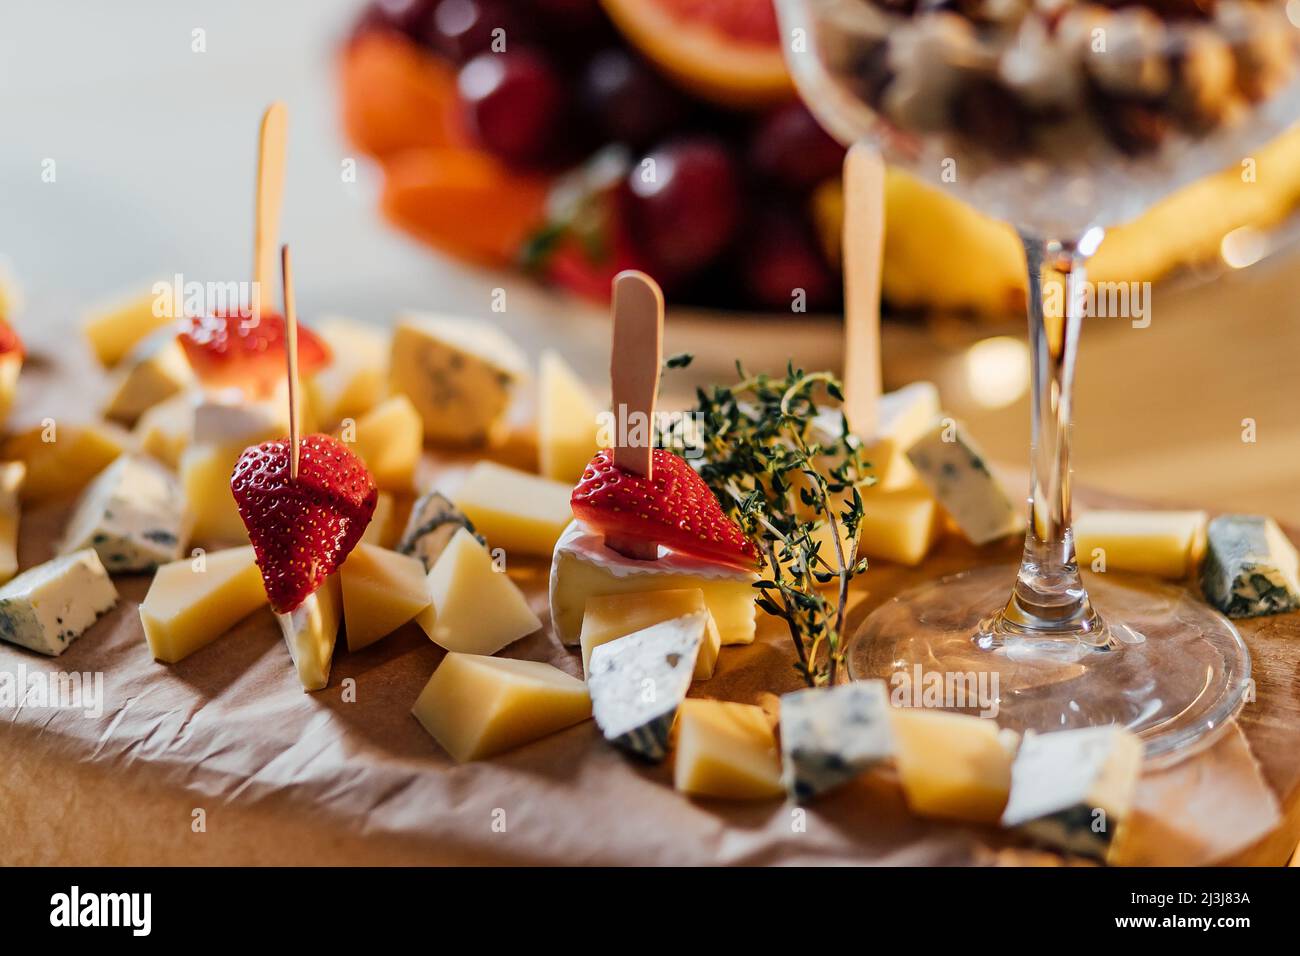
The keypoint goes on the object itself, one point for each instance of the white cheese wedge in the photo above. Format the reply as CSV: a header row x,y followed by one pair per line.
x,y
382,590
165,430
637,683
49,606
476,707
310,631
62,458
114,328
829,735
133,514
583,568
227,417
952,765
954,469
474,607
356,378
1167,544
153,372
567,420
195,600
904,415
1073,789
388,438
726,750
611,616
12,475
11,364
459,373
523,513
1251,568
432,523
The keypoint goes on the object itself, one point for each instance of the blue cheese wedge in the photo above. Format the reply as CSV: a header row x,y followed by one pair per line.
x,y
133,514
433,522
953,468
829,735
1072,790
49,606
1251,569
638,682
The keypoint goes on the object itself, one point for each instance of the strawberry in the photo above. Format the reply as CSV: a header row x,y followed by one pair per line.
x,y
230,348
302,530
10,341
674,507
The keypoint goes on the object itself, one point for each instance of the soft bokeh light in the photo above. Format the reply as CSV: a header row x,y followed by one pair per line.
x,y
1244,246
997,370
1293,12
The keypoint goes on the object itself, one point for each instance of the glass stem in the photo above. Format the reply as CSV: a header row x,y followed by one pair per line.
x,y
1049,597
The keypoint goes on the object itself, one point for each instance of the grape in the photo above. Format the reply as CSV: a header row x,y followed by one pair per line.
x,y
461,29
515,104
790,148
632,103
406,16
780,257
684,204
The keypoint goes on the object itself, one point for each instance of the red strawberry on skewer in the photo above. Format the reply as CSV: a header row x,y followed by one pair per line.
x,y
233,349
302,528
672,507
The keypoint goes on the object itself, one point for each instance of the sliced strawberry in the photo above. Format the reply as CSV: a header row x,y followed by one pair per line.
x,y
10,341
302,530
234,349
673,507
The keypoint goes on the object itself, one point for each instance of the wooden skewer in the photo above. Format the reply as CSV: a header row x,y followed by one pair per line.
x,y
271,140
864,244
291,351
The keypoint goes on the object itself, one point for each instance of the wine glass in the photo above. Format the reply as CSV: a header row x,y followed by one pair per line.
x,y
1061,119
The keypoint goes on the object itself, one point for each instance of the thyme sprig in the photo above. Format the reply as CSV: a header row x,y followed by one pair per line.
x,y
790,473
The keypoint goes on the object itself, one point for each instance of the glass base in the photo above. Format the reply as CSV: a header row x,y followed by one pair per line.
x,y
1164,664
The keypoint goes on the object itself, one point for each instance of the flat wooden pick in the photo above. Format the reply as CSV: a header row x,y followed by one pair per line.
x,y
291,354
864,245
634,364
271,141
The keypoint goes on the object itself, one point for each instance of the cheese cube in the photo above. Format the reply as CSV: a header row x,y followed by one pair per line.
x,y
637,683
473,607
953,468
12,475
381,520
1072,789
205,477
904,415
49,606
11,364
164,431
356,378
1251,568
227,417
612,616
514,510
389,440
567,421
382,590
459,374
133,515
61,458
1168,544
193,601
899,525
829,735
726,750
583,568
155,370
952,765
477,707
115,328
310,630
432,523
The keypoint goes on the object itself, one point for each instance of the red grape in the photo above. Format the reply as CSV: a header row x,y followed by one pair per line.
x,y
515,104
684,204
781,256
461,29
633,104
790,148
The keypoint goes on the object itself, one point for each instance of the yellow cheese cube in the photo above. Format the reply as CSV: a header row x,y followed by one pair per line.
x,y
726,750
952,765
164,431
1168,544
193,601
611,616
899,525
514,510
382,590
205,477
356,378
114,329
378,532
459,374
61,459
310,631
473,607
11,364
12,474
388,438
155,371
567,420
477,706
